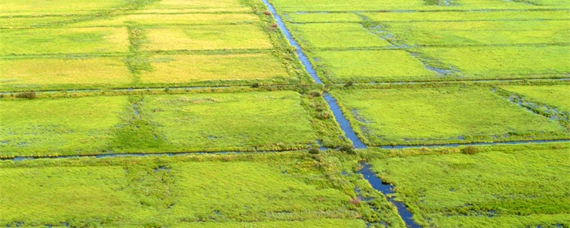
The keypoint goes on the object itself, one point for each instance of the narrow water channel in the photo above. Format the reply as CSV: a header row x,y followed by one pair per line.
x,y
343,122
304,59
387,189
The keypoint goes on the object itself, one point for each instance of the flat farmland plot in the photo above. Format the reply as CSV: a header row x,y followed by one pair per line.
x,y
173,19
505,62
199,5
263,192
351,5
214,122
278,190
12,7
556,95
73,195
61,126
432,116
180,69
56,41
501,187
468,16
304,17
207,37
384,65
337,35
480,33
42,73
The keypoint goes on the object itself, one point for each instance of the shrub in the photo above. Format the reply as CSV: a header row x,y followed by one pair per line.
x,y
315,93
323,115
314,150
255,85
470,150
355,201
29,95
267,13
349,149
348,84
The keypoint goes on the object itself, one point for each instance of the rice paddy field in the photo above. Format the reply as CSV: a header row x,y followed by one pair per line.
x,y
498,187
284,113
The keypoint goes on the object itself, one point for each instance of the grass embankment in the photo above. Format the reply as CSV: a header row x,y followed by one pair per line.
x,y
442,115
270,190
507,186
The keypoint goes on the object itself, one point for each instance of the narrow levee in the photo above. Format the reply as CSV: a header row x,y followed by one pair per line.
x,y
304,58
387,189
477,144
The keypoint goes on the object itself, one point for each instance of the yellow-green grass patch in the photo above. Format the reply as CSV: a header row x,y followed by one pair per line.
x,y
240,121
55,73
57,6
323,17
350,5
53,41
480,32
264,191
203,5
469,16
207,37
60,126
555,95
311,223
442,115
28,22
337,35
385,65
172,19
56,195
505,62
499,187
178,69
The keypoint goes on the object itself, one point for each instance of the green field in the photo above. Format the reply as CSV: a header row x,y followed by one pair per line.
x,y
163,123
208,191
441,115
375,66
39,126
498,187
556,96
139,35
204,113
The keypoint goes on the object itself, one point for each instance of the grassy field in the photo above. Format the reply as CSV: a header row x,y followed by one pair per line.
x,y
206,37
337,35
43,73
61,126
514,186
281,120
55,41
139,35
213,122
286,190
557,95
175,69
439,115
362,66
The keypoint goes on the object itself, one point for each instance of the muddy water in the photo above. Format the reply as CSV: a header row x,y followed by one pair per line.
x,y
388,189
